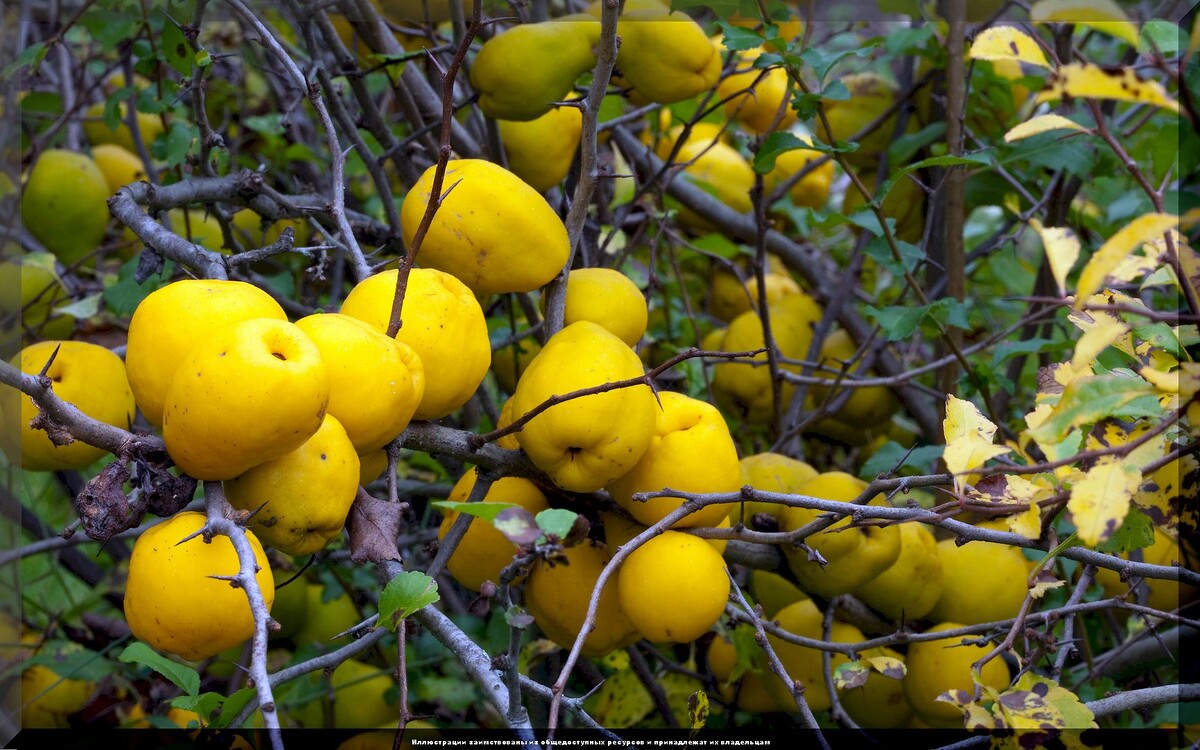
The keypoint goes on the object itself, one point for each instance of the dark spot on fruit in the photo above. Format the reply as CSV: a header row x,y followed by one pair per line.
x,y
322,456
277,355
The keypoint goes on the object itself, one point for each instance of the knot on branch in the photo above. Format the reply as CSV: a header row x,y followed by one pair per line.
x,y
58,434
103,507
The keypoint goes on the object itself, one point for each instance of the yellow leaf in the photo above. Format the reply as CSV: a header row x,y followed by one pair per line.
x,y
1167,495
1189,381
1129,237
1039,589
1061,243
621,701
888,666
968,438
1042,124
1007,43
1094,341
1114,433
1100,501
697,711
1102,15
1168,382
1189,263
1028,524
1069,711
1086,81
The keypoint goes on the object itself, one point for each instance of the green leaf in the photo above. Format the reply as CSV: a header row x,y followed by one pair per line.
x,y
949,161
910,255
904,147
123,296
66,659
739,39
486,511
1168,38
406,593
891,454
772,146
901,321
173,146
175,48
556,521
184,677
31,56
1137,532
82,308
204,703
232,706
1088,400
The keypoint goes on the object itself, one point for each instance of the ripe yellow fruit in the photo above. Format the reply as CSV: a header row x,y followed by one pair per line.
x,y
119,165
757,691
171,320
86,375
149,127
47,700
665,57
550,56
812,190
691,451
291,605
540,151
905,203
557,596
618,531
509,362
674,587
1162,595
756,96
745,389
805,664
865,407
937,666
609,299
729,296
63,204
254,231
880,703
371,466
444,325
770,472
324,618
504,419
173,604
854,556
28,310
357,698
493,232
717,168
912,585
252,392
375,382
981,582
585,443
483,551
870,96
304,495
773,591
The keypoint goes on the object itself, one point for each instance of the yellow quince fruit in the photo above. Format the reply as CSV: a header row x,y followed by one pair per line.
x,y
745,389
854,555
812,190
981,582
484,552
27,311
911,586
715,167
356,693
88,376
865,407
770,472
756,96
729,296
172,319
557,595
173,603
666,57
691,451
300,500
880,702
540,151
870,96
442,322
805,664
550,56
149,126
609,299
375,381
119,166
585,443
937,666
46,698
493,231
252,392
64,204
674,587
